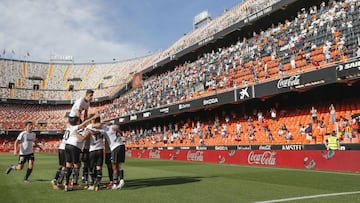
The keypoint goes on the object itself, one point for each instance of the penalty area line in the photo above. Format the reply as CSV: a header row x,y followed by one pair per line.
x,y
310,197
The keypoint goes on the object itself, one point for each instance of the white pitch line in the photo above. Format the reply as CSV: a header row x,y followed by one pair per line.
x,y
310,197
295,169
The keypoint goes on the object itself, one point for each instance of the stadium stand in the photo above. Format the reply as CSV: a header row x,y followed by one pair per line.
x,y
251,61
316,38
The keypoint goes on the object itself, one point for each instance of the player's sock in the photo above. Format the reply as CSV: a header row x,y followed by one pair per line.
x,y
76,176
10,168
61,176
85,173
121,173
91,176
58,173
98,177
115,179
28,172
110,172
67,175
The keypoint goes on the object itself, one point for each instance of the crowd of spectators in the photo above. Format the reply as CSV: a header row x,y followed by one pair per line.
x,y
14,116
54,80
225,20
234,127
314,38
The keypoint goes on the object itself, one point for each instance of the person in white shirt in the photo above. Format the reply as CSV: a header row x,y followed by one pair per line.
x,y
117,147
24,144
59,175
81,106
74,140
95,132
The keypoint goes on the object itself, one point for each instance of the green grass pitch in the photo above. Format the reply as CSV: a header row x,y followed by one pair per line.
x,y
177,181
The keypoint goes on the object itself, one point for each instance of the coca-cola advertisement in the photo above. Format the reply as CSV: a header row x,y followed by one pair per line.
x,y
288,82
154,154
195,156
341,160
262,158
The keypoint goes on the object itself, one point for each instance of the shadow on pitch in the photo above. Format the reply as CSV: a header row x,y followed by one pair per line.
x,y
40,180
161,181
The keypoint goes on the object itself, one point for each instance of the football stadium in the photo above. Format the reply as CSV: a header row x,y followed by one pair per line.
x,y
258,104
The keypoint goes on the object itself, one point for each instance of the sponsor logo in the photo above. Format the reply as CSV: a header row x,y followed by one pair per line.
x,y
292,147
309,84
201,148
195,156
184,147
221,148
134,117
221,159
121,120
184,106
244,93
172,157
210,101
288,82
265,147
232,153
172,57
146,114
164,110
154,154
206,40
355,64
328,154
244,147
265,158
258,14
309,164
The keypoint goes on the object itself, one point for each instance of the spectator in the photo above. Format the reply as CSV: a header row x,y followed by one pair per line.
x,y
288,136
201,143
355,127
260,116
252,137
302,130
223,131
313,113
308,132
265,125
269,136
238,128
282,129
322,126
332,113
348,131
316,64
273,114
332,142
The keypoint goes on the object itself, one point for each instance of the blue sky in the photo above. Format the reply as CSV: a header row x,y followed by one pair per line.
x,y
97,30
